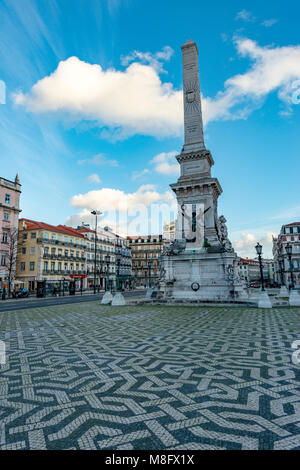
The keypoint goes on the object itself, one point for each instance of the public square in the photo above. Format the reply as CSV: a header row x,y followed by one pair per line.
x,y
86,376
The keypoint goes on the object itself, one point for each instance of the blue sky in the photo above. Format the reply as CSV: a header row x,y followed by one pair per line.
x,y
93,112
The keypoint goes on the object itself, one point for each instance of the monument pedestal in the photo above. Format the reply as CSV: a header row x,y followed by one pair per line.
x,y
203,276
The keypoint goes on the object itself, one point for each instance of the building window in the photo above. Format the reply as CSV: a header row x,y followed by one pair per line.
x,y
7,198
24,236
31,265
5,237
32,250
23,251
53,236
6,216
23,266
59,266
46,236
52,267
33,235
45,265
3,260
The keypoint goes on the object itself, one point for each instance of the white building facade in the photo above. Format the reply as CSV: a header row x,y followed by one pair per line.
x,y
286,270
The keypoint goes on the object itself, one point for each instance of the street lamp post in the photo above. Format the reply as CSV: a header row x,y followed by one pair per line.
x,y
107,260
289,251
149,268
118,259
95,213
259,252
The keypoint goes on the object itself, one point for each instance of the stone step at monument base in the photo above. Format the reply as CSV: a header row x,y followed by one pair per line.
x,y
191,303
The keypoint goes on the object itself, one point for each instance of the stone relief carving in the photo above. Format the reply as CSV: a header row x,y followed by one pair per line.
x,y
231,275
223,234
176,247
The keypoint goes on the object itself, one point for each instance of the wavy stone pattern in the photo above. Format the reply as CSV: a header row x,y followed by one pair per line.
x,y
94,377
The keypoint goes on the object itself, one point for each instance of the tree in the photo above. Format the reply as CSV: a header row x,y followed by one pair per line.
x,y
9,238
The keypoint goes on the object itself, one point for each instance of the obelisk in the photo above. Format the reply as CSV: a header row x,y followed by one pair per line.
x,y
201,263
193,123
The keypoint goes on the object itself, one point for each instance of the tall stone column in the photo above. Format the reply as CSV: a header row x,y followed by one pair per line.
x,y
193,123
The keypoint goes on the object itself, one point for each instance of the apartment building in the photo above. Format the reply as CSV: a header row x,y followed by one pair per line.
x,y
146,253
49,253
102,273
250,271
287,269
10,192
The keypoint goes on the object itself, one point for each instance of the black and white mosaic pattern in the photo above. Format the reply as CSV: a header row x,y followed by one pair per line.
x,y
87,376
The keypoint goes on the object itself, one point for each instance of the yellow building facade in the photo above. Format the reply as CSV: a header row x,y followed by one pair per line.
x,y
49,253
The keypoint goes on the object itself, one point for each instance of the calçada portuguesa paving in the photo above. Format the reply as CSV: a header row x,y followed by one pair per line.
x,y
87,376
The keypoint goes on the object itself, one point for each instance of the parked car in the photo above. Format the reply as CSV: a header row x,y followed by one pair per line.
x,y
255,285
22,293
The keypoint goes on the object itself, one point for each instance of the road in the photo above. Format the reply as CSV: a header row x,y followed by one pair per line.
x,y
24,304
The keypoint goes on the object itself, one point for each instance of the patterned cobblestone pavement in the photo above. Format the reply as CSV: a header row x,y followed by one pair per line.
x,y
93,377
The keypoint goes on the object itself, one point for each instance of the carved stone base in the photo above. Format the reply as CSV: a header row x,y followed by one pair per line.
x,y
204,277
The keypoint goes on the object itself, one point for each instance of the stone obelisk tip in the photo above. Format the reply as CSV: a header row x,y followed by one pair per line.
x,y
193,122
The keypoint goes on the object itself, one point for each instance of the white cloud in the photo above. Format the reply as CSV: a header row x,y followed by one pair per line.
x,y
139,174
94,178
245,15
155,60
127,213
114,199
166,164
273,69
136,101
269,23
99,160
245,245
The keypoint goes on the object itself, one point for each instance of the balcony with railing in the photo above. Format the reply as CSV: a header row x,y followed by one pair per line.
x,y
62,272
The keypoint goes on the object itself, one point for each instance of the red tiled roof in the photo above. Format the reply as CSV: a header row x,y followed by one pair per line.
x,y
292,225
143,237
249,261
84,230
34,225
